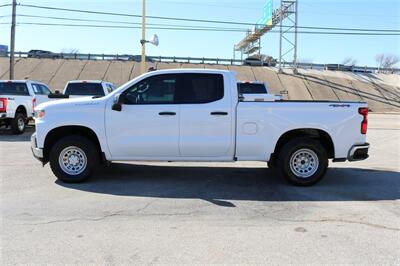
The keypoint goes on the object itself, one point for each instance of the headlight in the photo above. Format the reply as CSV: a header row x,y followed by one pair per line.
x,y
39,114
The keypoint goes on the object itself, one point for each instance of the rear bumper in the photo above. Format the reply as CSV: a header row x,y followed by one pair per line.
x,y
4,115
37,152
358,152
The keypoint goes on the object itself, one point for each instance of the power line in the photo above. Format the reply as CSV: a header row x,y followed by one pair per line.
x,y
201,20
158,24
116,22
349,29
81,11
187,28
5,5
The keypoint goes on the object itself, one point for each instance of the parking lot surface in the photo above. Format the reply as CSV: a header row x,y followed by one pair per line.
x,y
197,213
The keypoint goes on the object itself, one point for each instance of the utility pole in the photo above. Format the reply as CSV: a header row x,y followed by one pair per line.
x,y
143,40
288,11
295,71
280,42
12,45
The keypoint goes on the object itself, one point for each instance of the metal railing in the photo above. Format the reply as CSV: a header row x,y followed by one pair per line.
x,y
198,60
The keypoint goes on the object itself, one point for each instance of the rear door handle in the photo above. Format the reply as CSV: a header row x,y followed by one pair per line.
x,y
167,113
219,113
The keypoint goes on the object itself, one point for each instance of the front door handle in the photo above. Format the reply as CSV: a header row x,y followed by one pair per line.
x,y
219,113
167,113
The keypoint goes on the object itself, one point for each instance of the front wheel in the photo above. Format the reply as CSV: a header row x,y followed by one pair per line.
x,y
73,159
303,161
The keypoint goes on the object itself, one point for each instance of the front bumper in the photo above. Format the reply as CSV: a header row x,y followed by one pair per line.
x,y
358,152
37,152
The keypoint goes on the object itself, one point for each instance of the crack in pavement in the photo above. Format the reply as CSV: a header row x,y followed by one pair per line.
x,y
78,219
146,206
107,216
327,220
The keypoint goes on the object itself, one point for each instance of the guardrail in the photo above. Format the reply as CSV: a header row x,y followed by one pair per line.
x,y
201,60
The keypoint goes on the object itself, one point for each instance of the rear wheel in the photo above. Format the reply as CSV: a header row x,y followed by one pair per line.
x,y
73,159
18,123
303,161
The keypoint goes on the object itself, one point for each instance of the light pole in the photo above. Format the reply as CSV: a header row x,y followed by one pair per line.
x,y
12,39
143,40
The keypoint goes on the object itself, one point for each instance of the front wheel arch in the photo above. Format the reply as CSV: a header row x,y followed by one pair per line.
x,y
59,132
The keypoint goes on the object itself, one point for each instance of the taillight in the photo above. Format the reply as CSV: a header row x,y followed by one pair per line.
x,y
364,124
3,104
33,104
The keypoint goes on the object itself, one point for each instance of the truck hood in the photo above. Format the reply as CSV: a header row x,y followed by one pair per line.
x,y
67,102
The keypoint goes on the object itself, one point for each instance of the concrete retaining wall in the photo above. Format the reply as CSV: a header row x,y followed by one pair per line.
x,y
381,91
69,70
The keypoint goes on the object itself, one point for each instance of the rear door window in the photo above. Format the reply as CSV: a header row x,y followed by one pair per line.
x,y
13,88
251,88
200,88
85,89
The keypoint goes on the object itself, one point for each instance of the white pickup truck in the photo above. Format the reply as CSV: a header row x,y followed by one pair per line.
x,y
18,99
80,88
196,115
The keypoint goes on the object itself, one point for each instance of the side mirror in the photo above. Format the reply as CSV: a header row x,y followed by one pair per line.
x,y
57,92
117,107
119,99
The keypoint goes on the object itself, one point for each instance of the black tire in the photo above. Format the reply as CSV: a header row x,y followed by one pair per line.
x,y
302,145
272,164
15,126
86,146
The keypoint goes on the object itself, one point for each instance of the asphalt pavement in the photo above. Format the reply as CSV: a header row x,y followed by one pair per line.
x,y
202,213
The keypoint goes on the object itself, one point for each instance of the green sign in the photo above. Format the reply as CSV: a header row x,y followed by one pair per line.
x,y
267,14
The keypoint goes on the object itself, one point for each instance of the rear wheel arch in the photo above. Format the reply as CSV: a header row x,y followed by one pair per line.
x,y
22,110
57,133
322,136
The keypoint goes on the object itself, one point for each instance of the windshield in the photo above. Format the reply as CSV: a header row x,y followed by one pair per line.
x,y
251,88
13,88
84,89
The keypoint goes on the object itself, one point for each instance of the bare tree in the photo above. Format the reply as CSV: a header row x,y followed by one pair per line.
x,y
386,61
379,59
349,61
390,61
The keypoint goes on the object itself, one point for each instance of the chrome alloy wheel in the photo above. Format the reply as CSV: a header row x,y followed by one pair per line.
x,y
72,160
21,124
304,163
